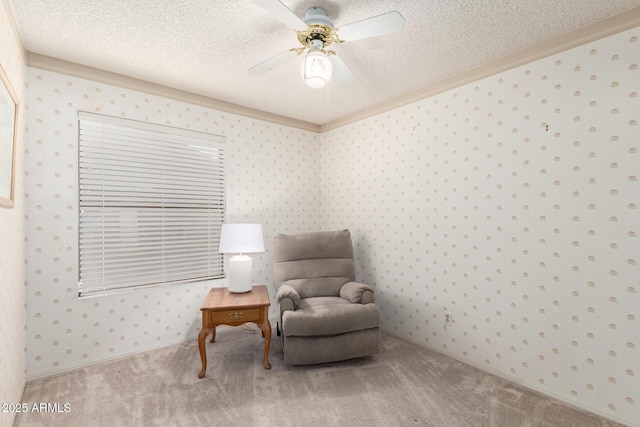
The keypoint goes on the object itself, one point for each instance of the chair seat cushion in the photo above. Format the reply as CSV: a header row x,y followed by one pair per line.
x,y
329,316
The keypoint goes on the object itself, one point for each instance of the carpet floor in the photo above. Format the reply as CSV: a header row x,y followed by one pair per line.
x,y
404,385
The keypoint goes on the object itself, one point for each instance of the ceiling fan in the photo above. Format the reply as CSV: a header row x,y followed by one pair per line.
x,y
315,33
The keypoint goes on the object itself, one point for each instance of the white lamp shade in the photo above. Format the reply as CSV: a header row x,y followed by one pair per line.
x,y
241,239
316,69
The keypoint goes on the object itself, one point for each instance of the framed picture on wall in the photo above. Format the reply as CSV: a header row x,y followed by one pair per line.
x,y
8,131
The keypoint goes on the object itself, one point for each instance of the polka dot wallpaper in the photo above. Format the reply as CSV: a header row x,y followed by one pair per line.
x,y
272,176
512,205
12,246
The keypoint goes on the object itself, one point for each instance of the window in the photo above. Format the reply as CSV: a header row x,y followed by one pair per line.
x,y
151,204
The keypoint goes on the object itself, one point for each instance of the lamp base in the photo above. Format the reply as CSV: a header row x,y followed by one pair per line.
x,y
239,276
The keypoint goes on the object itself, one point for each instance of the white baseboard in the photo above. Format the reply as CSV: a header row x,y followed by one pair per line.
x,y
516,380
44,374
273,319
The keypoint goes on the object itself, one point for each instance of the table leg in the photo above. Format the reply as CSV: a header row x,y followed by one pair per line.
x,y
202,336
266,332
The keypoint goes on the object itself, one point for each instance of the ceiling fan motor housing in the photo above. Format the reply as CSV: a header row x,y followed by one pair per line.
x,y
317,15
320,31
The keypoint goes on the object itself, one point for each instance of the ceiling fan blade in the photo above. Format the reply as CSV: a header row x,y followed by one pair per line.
x,y
341,72
283,13
273,62
387,23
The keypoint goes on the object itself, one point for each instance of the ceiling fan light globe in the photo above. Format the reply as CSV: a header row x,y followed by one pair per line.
x,y
316,69
315,83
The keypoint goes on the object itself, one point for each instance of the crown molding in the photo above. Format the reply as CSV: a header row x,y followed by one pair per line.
x,y
596,31
48,63
579,37
11,17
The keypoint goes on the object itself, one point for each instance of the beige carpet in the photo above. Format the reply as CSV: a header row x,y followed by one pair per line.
x,y
404,385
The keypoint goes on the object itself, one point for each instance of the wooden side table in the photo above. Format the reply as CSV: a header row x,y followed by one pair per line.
x,y
222,307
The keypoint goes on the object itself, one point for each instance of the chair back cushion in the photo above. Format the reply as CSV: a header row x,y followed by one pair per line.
x,y
314,264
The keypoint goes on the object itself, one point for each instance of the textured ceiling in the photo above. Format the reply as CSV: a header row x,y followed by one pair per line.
x,y
207,46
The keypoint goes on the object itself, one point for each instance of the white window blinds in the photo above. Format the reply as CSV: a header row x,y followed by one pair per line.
x,y
152,202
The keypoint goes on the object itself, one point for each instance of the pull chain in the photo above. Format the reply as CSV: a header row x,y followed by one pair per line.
x,y
327,107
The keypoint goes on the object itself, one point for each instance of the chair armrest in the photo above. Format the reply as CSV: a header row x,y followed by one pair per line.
x,y
357,293
288,298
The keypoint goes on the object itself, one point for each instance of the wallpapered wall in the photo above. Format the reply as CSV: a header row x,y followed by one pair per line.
x,y
271,179
465,201
12,311
527,234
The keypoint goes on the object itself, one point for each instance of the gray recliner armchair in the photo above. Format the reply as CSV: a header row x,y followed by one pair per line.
x,y
325,315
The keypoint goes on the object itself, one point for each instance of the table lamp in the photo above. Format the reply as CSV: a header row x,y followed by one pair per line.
x,y
240,239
